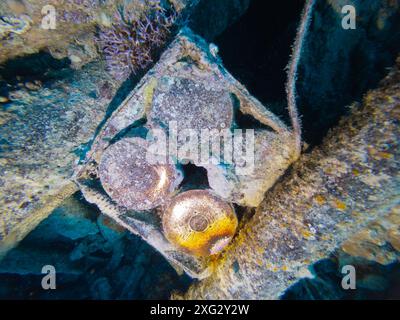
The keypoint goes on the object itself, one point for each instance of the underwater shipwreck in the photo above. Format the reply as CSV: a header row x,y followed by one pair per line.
x,y
199,149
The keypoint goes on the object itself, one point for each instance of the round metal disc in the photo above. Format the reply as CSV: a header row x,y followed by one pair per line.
x,y
131,181
192,104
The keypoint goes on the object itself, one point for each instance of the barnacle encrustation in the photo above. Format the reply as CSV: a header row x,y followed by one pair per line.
x,y
171,103
131,181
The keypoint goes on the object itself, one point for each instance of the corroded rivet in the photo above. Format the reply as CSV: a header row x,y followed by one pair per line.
x,y
131,181
199,222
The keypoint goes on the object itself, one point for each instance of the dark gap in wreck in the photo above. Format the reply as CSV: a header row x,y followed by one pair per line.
x,y
194,177
337,66
256,50
39,66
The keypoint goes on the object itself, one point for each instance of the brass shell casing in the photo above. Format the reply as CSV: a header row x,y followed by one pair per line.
x,y
199,222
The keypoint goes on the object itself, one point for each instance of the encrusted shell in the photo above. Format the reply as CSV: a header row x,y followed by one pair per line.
x,y
131,181
199,222
192,104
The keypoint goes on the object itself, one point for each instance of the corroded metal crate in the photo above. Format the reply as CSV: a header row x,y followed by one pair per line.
x,y
190,88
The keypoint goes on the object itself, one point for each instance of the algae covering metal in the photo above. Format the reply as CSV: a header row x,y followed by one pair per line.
x,y
189,75
343,189
42,133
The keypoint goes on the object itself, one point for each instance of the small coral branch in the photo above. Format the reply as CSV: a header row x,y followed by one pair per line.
x,y
132,41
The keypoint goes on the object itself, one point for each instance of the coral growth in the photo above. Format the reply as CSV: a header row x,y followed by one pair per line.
x,y
80,11
132,41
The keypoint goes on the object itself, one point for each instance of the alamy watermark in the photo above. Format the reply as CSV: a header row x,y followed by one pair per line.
x,y
49,280
349,280
49,20
202,147
349,20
